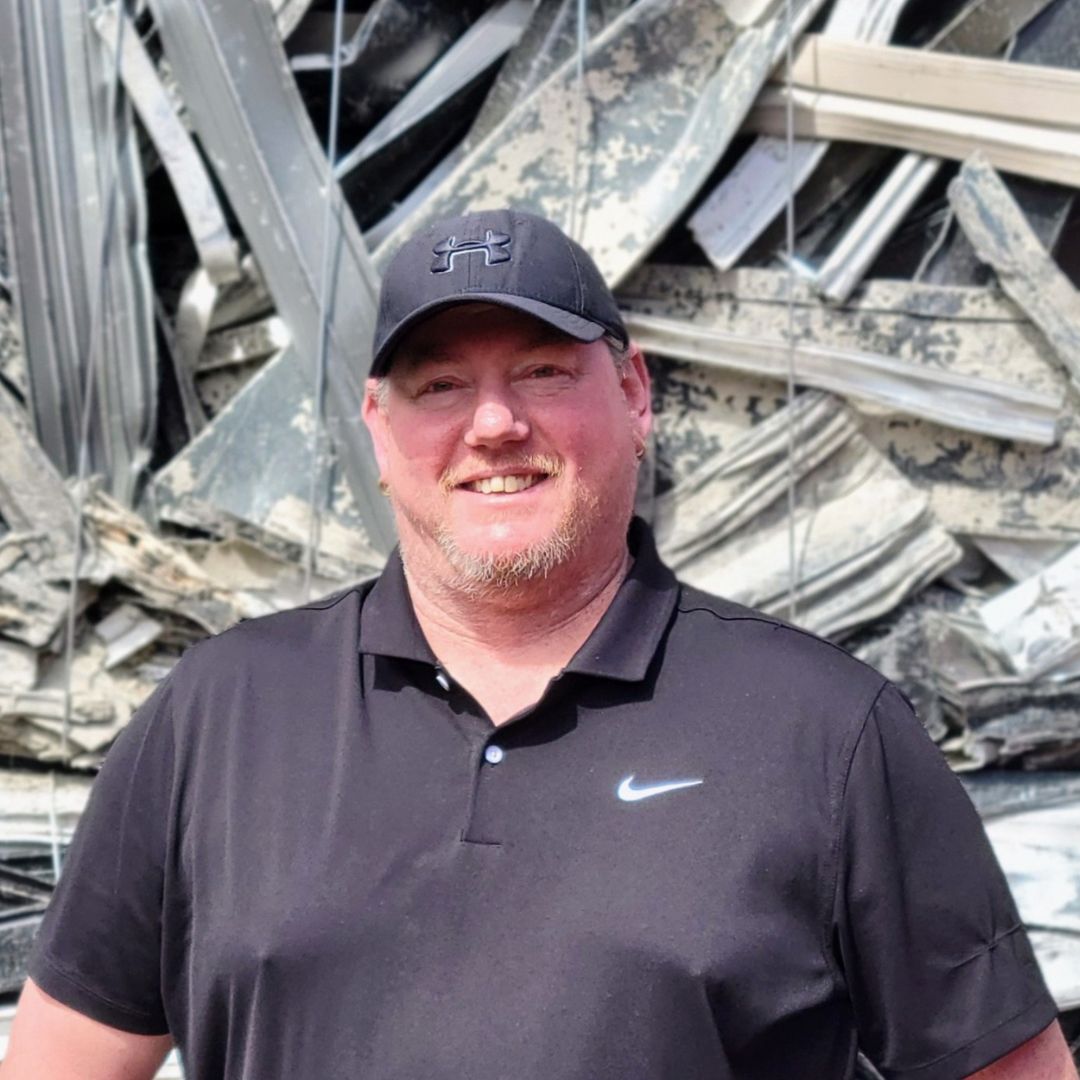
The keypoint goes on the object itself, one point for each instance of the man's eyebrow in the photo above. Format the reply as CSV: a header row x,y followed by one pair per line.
x,y
414,354
547,335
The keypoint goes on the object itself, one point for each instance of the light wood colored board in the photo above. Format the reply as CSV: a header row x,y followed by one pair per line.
x,y
985,87
1040,151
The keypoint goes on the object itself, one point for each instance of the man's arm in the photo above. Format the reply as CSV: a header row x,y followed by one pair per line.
x,y
1045,1057
50,1040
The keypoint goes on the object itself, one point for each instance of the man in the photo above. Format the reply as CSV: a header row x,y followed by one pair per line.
x,y
526,808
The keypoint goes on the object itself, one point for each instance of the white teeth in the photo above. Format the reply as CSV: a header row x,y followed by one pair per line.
x,y
503,484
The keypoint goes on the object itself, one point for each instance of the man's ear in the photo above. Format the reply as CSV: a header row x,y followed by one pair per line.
x,y
637,387
374,416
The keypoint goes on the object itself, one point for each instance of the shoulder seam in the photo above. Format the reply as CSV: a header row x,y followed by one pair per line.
x,y
336,598
767,620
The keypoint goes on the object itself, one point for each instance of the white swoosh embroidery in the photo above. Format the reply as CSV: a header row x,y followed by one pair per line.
x,y
628,793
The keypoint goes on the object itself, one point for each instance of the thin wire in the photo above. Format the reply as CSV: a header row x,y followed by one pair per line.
x,y
314,499
579,120
111,185
932,251
54,827
789,222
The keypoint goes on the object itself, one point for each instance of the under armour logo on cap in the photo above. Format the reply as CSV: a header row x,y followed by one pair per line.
x,y
495,246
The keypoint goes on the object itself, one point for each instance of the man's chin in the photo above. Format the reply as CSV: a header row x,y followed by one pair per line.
x,y
496,566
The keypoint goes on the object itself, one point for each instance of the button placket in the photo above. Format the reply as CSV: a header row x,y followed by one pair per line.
x,y
485,772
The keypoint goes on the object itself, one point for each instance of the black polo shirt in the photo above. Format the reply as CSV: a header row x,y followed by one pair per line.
x,y
718,847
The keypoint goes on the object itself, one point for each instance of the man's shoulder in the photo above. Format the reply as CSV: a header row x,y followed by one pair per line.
x,y
293,637
739,636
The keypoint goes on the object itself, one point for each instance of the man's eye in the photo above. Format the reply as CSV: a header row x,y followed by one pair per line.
x,y
437,386
544,371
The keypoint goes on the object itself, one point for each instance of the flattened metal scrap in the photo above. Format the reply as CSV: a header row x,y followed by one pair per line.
x,y
696,315
754,192
971,404
31,609
32,495
667,85
976,485
1037,850
247,111
997,793
489,38
972,331
847,575
548,41
124,549
1002,237
242,344
126,630
18,666
267,486
65,161
730,489
988,488
288,13
1020,558
1037,622
195,193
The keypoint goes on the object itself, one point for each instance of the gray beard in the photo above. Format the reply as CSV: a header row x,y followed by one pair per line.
x,y
488,575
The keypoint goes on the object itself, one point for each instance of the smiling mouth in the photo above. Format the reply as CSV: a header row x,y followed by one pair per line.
x,y
504,485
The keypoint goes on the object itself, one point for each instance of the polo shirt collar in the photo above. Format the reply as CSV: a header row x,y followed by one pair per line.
x,y
621,646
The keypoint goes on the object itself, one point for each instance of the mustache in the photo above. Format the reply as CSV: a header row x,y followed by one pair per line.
x,y
536,463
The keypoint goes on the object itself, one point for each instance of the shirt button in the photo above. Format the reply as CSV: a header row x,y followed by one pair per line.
x,y
493,754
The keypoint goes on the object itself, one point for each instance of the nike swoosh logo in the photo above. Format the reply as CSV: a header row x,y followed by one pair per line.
x,y
628,793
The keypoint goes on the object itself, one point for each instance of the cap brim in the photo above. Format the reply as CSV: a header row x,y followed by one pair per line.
x,y
566,321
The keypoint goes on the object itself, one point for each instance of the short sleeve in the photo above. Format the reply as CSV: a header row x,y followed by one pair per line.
x,y
940,972
99,947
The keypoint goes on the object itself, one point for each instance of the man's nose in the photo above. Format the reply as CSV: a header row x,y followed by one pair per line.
x,y
496,420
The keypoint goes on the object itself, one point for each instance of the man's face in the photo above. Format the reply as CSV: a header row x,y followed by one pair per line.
x,y
509,449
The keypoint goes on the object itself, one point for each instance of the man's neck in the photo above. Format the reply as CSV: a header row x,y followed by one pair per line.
x,y
506,645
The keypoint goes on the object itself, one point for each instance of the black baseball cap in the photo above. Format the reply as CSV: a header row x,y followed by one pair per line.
x,y
506,257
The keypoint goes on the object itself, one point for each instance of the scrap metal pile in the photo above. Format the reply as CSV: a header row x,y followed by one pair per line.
x,y
197,198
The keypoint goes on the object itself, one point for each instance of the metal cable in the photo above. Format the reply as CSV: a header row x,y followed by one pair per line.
x,y
789,223
94,331
579,119
314,496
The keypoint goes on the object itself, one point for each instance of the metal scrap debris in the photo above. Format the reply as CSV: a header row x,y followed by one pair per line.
x,y
1004,240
